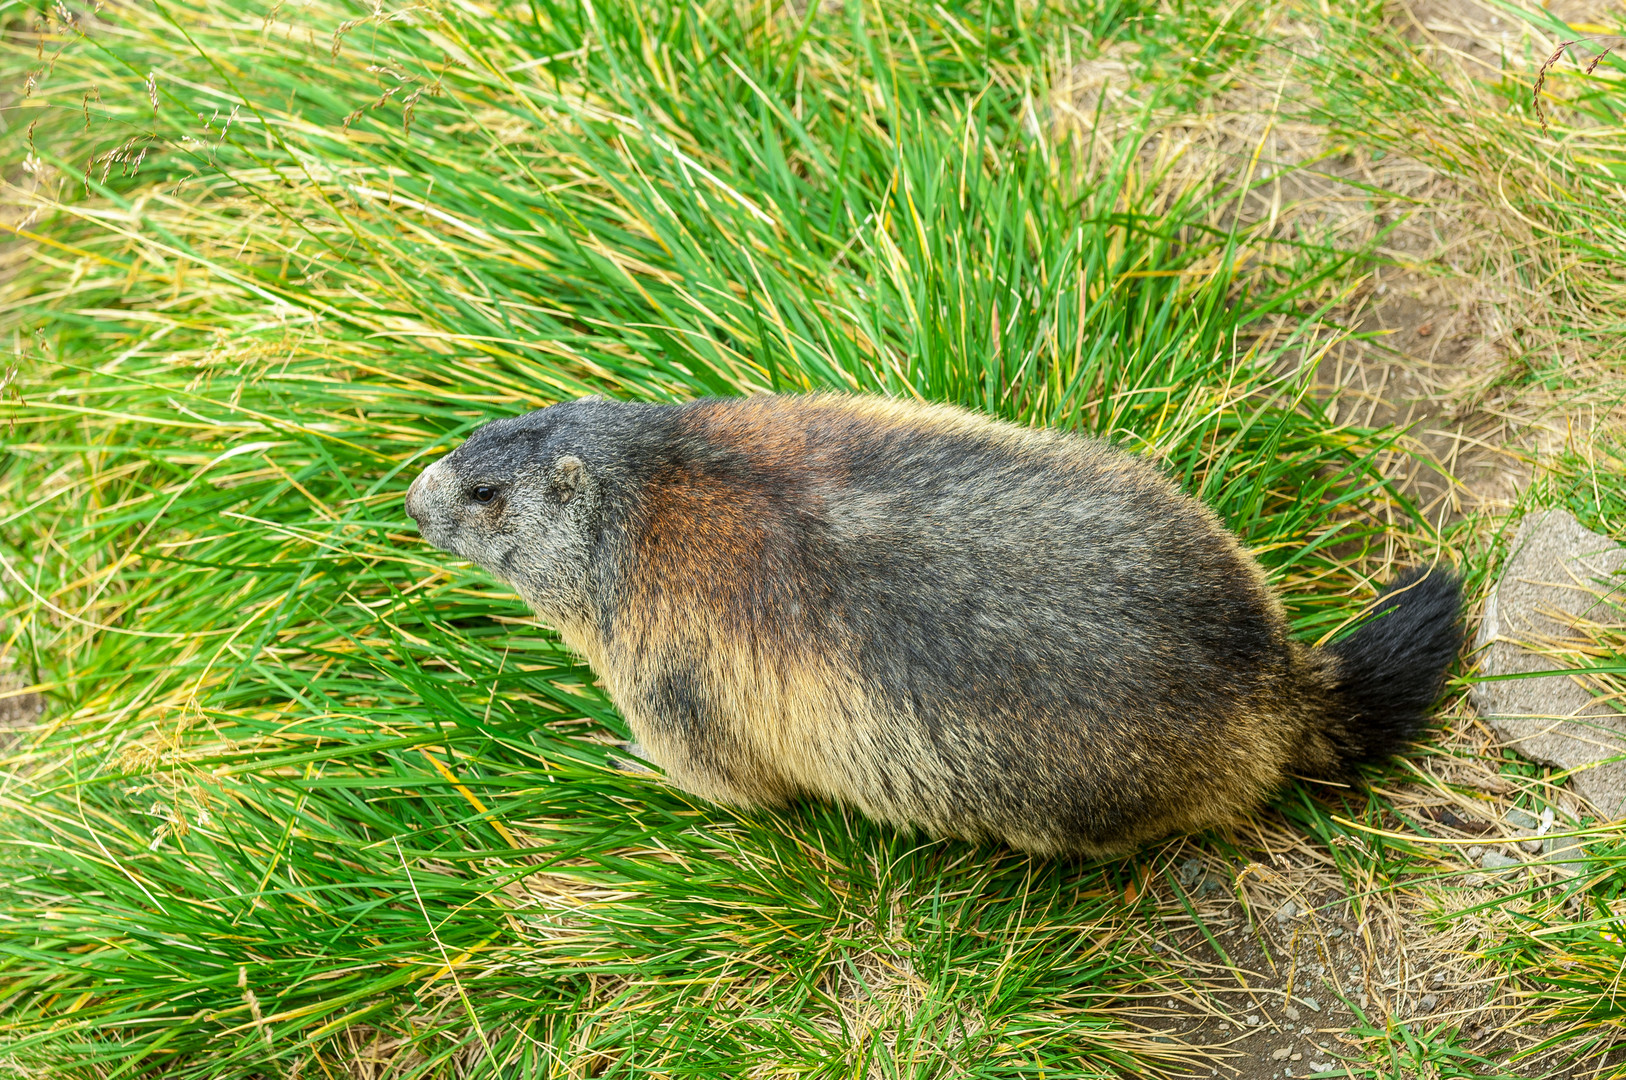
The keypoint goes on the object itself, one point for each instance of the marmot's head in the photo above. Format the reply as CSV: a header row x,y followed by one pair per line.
x,y
520,498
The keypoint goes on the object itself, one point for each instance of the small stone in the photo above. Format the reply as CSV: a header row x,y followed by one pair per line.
x,y
1495,860
1281,1055
1532,846
1310,1003
1335,933
1191,872
1253,1019
1290,1012
1564,854
1438,979
1295,1057
1321,1066
1286,912
1426,1005
1473,852
1520,819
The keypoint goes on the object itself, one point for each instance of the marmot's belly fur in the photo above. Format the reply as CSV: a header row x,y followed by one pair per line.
x,y
943,620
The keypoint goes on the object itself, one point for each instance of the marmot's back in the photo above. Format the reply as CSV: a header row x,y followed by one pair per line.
x,y
943,619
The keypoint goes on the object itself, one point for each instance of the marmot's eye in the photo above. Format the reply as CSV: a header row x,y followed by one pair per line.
x,y
483,494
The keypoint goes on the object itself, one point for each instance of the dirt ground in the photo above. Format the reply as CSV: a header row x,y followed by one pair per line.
x,y
18,706
1285,962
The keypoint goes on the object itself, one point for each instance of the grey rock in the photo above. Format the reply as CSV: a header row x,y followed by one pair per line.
x,y
1287,911
1555,566
1564,854
1310,1003
1427,1003
1519,819
1495,860
1532,845
1281,1055
1290,1012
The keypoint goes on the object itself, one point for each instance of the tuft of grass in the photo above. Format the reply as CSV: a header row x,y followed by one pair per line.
x,y
307,796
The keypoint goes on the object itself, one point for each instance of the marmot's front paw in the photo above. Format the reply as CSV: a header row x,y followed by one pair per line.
x,y
627,764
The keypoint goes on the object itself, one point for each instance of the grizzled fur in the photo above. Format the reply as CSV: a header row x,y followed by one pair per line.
x,y
943,620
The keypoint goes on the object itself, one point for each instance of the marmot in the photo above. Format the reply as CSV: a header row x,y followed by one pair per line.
x,y
944,620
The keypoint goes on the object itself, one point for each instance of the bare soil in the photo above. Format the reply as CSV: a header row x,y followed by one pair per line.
x,y
18,708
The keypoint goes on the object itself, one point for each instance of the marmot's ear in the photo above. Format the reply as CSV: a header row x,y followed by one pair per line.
x,y
569,476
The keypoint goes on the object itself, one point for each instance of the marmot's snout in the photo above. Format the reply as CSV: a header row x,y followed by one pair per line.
x,y
423,499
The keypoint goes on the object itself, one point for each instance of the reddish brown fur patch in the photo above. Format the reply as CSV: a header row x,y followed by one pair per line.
x,y
690,524
762,429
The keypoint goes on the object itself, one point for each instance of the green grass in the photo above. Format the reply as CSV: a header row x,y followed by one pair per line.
x,y
309,795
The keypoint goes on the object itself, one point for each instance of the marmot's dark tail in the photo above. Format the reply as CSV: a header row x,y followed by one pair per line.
x,y
1384,677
